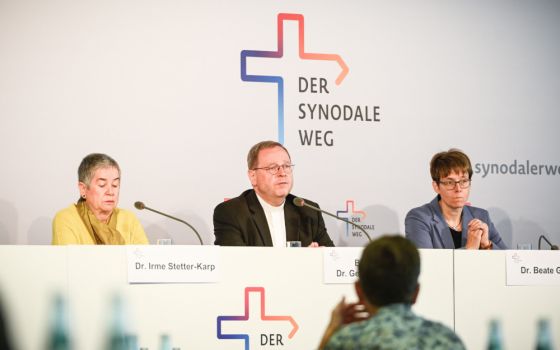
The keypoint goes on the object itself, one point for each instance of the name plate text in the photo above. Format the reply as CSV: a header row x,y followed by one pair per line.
x,y
340,265
173,264
532,267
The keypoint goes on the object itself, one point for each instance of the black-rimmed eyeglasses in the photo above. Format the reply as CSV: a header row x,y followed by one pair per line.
x,y
450,184
274,169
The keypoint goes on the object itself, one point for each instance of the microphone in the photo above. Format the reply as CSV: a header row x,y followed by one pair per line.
x,y
552,246
142,206
300,202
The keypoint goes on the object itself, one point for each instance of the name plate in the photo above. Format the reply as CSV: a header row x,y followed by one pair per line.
x,y
173,264
340,265
532,268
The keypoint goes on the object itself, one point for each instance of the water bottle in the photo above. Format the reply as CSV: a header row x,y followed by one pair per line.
x,y
131,342
495,336
165,342
117,335
544,337
58,338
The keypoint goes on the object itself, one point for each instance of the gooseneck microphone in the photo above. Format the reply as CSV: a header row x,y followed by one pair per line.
x,y
300,202
142,206
552,246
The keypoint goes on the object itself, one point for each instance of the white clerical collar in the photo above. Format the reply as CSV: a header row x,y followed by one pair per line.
x,y
266,206
276,222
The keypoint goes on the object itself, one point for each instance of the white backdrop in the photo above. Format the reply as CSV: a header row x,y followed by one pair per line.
x,y
157,85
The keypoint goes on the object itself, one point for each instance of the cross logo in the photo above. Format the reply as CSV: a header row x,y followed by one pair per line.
x,y
351,214
279,53
268,338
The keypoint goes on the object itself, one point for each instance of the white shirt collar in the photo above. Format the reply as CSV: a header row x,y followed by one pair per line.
x,y
276,221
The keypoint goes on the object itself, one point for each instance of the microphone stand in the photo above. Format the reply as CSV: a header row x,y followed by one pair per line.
x,y
300,202
552,246
140,205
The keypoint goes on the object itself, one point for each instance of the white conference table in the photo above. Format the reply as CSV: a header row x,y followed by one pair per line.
x,y
460,289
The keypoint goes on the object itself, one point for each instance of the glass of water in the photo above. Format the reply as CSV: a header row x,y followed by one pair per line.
x,y
164,241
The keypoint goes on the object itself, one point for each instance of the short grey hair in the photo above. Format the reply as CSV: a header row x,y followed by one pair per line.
x,y
91,163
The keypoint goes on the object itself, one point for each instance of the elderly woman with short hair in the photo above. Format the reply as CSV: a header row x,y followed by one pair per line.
x,y
95,219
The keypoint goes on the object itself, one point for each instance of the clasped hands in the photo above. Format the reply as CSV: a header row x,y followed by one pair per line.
x,y
477,235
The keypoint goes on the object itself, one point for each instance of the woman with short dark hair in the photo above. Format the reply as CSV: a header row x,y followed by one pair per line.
x,y
447,221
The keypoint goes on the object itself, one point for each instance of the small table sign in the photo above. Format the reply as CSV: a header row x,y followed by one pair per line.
x,y
173,264
533,267
340,265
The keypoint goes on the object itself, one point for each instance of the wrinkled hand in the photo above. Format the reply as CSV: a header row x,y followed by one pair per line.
x,y
477,234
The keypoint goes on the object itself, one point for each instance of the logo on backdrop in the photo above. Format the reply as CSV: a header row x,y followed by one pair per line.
x,y
516,168
352,214
271,337
333,111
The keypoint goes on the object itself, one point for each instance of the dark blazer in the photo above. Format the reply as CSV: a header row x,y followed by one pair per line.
x,y
241,221
426,227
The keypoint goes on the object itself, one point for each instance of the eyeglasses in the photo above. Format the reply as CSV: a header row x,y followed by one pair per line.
x,y
450,184
274,169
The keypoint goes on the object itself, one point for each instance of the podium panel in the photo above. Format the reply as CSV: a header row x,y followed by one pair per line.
x,y
271,297
481,294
